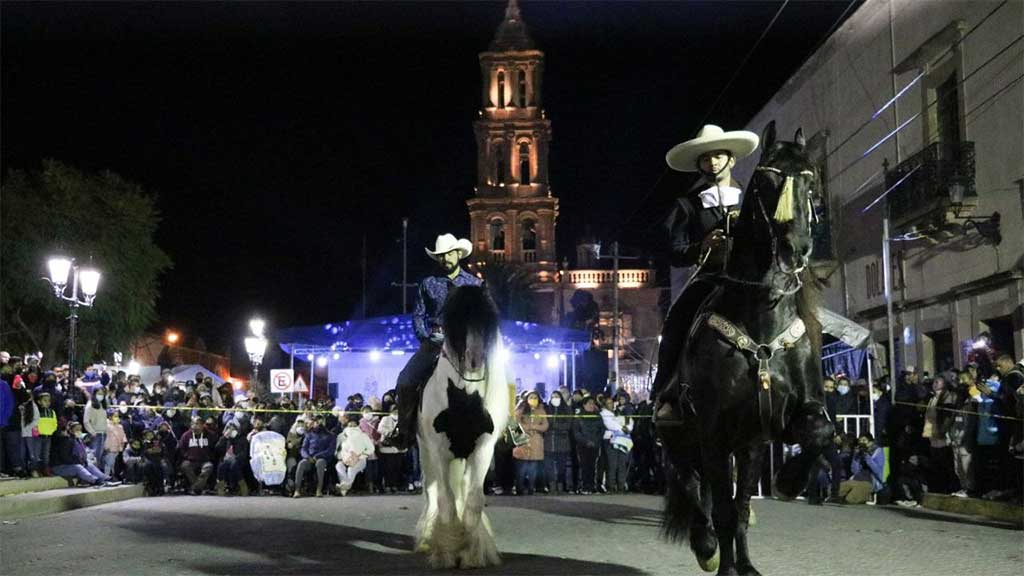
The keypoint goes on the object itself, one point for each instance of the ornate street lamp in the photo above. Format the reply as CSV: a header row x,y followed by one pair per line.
x,y
256,346
84,283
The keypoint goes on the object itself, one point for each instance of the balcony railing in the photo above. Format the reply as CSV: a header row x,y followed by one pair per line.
x,y
595,278
529,255
497,255
923,187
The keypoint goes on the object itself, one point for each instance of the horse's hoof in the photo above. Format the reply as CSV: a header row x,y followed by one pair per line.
x,y
710,564
443,560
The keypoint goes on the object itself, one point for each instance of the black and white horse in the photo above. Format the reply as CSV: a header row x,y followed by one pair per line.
x,y
464,410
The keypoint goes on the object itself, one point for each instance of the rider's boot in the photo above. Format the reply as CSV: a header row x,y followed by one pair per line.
x,y
404,434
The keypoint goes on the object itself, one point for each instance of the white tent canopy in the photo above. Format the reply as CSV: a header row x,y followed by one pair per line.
x,y
182,373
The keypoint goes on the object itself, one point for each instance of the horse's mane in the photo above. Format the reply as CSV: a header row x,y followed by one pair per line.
x,y
469,309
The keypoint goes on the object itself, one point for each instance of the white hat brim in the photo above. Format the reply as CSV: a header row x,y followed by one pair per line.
x,y
683,157
464,247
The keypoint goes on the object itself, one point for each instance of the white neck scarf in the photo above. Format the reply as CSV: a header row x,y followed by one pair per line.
x,y
724,196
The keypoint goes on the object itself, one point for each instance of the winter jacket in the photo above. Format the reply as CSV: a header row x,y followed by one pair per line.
x,y
237,447
30,424
116,439
385,428
872,465
67,451
196,449
6,402
556,439
353,443
318,444
95,421
19,397
617,430
369,427
587,429
535,424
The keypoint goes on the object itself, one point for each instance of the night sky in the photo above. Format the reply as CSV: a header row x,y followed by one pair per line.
x,y
277,136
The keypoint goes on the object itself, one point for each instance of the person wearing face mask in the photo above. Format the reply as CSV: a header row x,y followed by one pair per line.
x,y
368,424
353,450
293,448
882,407
95,421
529,457
195,455
846,403
557,473
317,449
70,460
937,421
391,457
233,452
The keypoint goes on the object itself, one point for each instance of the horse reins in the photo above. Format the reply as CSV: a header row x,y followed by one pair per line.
x,y
458,369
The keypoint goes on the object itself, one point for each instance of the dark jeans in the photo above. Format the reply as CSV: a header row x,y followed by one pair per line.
x,y
12,451
304,467
556,470
393,465
230,471
527,469
197,482
588,466
411,380
675,330
618,467
830,455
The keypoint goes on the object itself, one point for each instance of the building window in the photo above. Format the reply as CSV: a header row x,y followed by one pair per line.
x,y
499,164
522,88
947,118
529,235
501,89
524,164
497,234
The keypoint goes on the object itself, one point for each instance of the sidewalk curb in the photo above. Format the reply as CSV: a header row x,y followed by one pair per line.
x,y
8,487
53,501
1001,511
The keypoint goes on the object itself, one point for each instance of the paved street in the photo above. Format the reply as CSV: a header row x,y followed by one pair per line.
x,y
614,535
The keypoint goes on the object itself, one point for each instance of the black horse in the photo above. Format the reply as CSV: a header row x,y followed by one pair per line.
x,y
753,365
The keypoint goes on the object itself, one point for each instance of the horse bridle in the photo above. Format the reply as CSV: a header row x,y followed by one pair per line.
x,y
780,268
458,369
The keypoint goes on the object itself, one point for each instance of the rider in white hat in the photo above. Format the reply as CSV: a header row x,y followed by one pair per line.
x,y
699,227
426,318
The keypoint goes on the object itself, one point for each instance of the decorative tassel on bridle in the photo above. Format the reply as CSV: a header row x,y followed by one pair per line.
x,y
784,209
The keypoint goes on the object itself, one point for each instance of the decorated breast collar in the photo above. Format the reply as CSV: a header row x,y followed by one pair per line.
x,y
763,353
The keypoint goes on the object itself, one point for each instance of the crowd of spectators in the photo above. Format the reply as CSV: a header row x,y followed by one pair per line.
x,y
958,432
197,437
955,433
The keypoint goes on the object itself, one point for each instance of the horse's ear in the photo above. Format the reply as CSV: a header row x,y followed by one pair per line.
x,y
799,138
767,138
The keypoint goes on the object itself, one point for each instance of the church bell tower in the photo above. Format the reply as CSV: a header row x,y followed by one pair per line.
x,y
513,212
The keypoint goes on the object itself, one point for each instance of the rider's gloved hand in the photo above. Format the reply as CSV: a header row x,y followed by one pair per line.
x,y
437,337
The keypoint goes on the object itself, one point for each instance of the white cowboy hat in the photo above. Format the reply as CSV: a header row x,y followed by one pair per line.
x,y
683,157
446,243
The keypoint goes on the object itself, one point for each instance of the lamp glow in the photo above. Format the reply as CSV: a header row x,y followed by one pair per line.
x,y
374,355
59,270
321,361
90,281
552,361
256,326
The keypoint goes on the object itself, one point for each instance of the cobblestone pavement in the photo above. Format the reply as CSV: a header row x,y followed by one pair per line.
x,y
612,535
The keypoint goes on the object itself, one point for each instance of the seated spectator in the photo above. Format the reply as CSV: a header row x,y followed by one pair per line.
x,y
293,447
530,415
909,486
391,458
353,450
70,458
233,452
368,424
115,443
195,455
156,469
867,469
317,450
133,462
588,430
168,446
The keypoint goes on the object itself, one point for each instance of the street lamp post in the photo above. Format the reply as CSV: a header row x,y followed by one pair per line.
x,y
256,347
86,281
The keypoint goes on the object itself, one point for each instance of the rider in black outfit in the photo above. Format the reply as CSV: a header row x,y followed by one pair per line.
x,y
699,226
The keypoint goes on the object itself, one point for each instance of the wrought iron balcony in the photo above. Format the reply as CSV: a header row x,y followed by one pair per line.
x,y
932,187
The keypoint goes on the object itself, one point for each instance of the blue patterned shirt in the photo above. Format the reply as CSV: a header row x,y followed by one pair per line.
x,y
430,299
